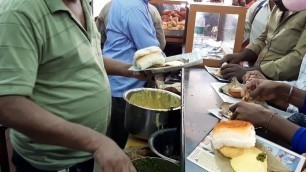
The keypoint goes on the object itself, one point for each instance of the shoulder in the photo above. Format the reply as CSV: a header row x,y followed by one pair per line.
x,y
255,5
127,6
153,11
31,10
105,10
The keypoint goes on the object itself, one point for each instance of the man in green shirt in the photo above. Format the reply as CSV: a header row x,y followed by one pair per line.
x,y
54,89
277,52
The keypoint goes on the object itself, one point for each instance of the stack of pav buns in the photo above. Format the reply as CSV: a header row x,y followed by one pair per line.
x,y
174,20
149,57
235,139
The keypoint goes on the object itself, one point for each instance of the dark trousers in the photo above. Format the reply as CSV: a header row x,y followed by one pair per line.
x,y
23,166
116,129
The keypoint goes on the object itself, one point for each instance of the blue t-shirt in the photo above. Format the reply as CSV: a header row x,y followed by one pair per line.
x,y
129,29
298,141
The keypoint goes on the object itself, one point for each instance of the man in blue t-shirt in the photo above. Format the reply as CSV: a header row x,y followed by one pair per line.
x,y
129,29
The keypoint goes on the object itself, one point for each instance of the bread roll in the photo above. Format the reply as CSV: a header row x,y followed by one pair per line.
x,y
233,133
235,92
147,57
231,152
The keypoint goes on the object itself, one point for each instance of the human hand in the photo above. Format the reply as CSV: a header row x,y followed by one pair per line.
x,y
143,75
232,58
231,70
251,112
250,75
265,90
112,159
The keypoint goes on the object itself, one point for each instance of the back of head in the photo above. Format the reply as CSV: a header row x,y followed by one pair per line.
x,y
295,5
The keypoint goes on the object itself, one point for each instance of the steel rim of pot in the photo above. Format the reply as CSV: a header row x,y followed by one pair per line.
x,y
150,143
151,89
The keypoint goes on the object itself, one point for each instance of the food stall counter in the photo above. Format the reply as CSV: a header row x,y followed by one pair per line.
x,y
197,97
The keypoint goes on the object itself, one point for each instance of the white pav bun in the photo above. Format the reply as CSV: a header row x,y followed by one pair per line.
x,y
147,57
233,133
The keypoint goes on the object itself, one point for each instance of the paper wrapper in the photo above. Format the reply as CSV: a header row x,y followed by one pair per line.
x,y
234,83
224,110
273,164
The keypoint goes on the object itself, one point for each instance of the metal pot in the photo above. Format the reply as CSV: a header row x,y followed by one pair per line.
x,y
143,121
166,144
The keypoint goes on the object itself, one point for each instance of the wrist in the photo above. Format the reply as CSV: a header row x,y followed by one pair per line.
x,y
284,91
124,70
266,116
269,121
248,55
97,141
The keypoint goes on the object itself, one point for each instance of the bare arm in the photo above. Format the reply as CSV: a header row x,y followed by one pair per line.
x,y
260,116
282,127
25,116
116,67
297,98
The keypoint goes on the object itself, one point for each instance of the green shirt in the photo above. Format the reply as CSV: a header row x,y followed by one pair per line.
x,y
282,46
46,55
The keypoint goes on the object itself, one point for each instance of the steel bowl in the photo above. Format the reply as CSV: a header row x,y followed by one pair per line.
x,y
153,164
166,144
142,121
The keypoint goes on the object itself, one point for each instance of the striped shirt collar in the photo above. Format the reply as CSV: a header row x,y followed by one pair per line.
x,y
58,5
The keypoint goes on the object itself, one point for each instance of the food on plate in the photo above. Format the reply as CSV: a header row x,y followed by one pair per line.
x,y
232,89
247,98
231,152
218,71
235,139
252,160
225,110
176,58
235,91
149,57
233,133
174,63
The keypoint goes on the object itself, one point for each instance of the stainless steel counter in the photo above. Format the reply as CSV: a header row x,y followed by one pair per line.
x,y
197,97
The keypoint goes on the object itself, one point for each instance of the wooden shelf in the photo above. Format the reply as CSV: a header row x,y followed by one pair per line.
x,y
175,39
